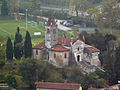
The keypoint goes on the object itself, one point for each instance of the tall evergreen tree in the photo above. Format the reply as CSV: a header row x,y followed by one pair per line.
x,y
4,8
18,49
117,65
9,49
27,46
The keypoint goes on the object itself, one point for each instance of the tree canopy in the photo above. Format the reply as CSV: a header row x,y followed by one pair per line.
x,y
27,46
9,49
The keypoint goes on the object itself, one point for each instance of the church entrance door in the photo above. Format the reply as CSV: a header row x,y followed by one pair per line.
x,y
78,58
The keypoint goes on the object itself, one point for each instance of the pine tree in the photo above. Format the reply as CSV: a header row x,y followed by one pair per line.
x,y
27,46
9,49
18,45
4,8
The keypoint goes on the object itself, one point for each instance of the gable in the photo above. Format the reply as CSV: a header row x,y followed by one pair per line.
x,y
78,43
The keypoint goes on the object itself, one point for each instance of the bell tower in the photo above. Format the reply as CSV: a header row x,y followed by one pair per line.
x,y
51,33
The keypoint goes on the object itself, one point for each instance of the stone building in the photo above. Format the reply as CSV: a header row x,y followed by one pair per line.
x,y
63,51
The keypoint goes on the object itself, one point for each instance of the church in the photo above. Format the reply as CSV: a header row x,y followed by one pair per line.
x,y
63,51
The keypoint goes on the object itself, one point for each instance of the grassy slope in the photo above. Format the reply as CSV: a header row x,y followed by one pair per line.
x,y
8,28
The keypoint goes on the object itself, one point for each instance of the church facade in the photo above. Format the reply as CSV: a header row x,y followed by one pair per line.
x,y
63,51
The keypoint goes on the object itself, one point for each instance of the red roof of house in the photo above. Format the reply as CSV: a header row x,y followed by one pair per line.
x,y
40,45
76,40
92,49
66,86
64,41
59,48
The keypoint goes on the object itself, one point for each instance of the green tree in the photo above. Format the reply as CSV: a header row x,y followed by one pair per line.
x,y
74,75
97,39
92,79
110,75
18,47
10,80
35,8
108,38
27,46
82,5
93,12
28,69
2,50
2,63
9,49
117,65
110,14
4,8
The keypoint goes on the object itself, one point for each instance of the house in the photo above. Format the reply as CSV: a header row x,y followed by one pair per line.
x,y
63,51
57,86
114,87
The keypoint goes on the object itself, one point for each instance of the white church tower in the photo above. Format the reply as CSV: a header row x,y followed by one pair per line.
x,y
51,33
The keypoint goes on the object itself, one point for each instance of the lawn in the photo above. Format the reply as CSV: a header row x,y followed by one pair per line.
x,y
9,28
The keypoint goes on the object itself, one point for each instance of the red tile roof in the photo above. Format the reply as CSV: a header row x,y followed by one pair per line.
x,y
40,45
64,41
59,48
92,49
76,40
66,86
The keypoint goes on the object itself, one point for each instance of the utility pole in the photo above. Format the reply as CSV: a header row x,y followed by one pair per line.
x,y
26,19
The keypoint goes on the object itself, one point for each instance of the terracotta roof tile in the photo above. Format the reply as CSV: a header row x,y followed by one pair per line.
x,y
93,49
59,48
62,86
40,45
65,41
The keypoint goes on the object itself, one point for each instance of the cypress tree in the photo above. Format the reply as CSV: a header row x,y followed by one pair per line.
x,y
27,46
18,45
9,49
4,8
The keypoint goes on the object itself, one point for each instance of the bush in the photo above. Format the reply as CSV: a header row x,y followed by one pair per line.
x,y
2,63
11,81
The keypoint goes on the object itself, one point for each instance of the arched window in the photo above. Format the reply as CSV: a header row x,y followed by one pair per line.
x,y
36,52
54,55
65,56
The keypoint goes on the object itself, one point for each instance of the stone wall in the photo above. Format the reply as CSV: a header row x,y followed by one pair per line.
x,y
59,58
38,54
